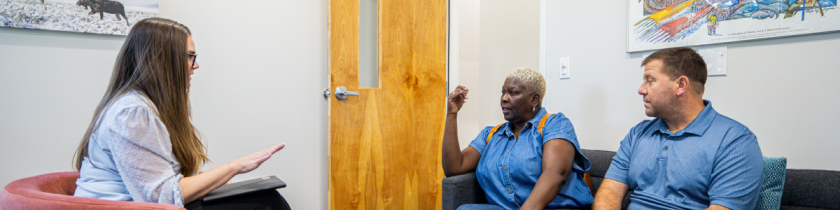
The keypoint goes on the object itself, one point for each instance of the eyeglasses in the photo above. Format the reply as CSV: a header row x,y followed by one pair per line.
x,y
193,57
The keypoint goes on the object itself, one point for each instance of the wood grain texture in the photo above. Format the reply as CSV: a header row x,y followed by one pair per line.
x,y
384,146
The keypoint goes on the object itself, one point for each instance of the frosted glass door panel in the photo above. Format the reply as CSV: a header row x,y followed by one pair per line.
x,y
368,44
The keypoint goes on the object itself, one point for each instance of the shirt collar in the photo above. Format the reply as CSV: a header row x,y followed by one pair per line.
x,y
698,126
532,122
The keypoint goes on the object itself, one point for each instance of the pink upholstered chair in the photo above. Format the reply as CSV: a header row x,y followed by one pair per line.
x,y
55,191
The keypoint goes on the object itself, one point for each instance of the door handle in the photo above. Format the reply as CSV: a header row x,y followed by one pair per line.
x,y
341,93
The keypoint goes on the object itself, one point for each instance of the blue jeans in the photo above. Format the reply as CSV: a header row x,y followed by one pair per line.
x,y
480,207
485,207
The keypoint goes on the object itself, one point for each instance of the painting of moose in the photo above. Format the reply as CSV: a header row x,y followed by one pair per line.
x,y
104,6
76,15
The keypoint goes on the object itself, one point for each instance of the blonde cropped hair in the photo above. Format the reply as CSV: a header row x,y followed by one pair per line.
x,y
534,81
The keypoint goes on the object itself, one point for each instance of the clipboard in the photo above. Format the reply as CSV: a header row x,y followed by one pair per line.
x,y
244,187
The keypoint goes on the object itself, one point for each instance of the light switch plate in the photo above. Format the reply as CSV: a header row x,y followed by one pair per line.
x,y
564,69
715,58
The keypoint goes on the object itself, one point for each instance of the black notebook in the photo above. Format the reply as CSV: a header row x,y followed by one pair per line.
x,y
243,187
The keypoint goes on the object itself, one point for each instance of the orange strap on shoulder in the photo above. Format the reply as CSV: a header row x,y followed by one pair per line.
x,y
493,131
542,123
588,179
539,128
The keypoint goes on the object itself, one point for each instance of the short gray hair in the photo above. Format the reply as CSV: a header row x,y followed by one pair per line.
x,y
534,81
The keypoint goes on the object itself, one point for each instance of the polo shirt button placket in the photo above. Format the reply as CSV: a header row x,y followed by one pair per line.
x,y
663,155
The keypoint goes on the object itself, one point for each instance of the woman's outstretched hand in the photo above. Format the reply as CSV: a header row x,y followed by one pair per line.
x,y
194,187
457,99
251,162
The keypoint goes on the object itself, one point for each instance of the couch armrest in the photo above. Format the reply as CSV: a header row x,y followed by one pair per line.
x,y
461,189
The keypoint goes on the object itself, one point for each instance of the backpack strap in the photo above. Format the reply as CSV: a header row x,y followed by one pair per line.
x,y
493,131
539,127
588,179
542,123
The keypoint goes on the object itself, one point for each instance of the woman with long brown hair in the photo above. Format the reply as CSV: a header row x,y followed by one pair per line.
x,y
141,144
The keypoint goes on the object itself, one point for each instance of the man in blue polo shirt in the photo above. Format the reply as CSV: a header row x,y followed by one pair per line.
x,y
689,156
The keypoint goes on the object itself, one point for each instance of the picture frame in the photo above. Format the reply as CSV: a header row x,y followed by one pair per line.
x,y
113,17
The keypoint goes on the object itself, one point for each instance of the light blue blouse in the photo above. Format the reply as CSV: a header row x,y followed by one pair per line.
x,y
130,156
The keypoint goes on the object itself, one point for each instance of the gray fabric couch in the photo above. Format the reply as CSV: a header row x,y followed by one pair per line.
x,y
804,189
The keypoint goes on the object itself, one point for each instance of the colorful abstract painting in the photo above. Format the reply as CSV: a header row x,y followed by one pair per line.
x,y
657,24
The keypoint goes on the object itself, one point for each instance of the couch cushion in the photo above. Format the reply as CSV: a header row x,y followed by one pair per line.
x,y
601,161
811,188
603,158
770,196
461,189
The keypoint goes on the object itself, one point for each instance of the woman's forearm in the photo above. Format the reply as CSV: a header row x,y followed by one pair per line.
x,y
195,187
546,189
558,157
451,154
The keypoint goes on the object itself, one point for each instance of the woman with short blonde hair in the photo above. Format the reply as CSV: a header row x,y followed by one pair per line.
x,y
533,161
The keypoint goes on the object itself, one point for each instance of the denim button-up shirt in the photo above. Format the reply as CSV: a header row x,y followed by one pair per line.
x,y
509,169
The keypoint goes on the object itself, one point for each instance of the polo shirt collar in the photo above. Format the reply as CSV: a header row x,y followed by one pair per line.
x,y
533,122
698,126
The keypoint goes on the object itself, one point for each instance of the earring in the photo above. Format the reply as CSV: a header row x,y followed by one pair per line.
x,y
533,109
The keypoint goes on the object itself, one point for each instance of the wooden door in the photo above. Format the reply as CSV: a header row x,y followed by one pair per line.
x,y
384,145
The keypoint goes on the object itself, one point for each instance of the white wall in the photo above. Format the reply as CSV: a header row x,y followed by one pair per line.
x,y
263,67
509,39
50,83
463,66
782,88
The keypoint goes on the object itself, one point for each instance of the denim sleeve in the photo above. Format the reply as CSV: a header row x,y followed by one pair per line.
x,y
620,165
480,141
738,172
558,126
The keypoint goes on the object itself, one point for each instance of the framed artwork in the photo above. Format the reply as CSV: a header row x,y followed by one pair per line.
x,y
86,16
657,24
